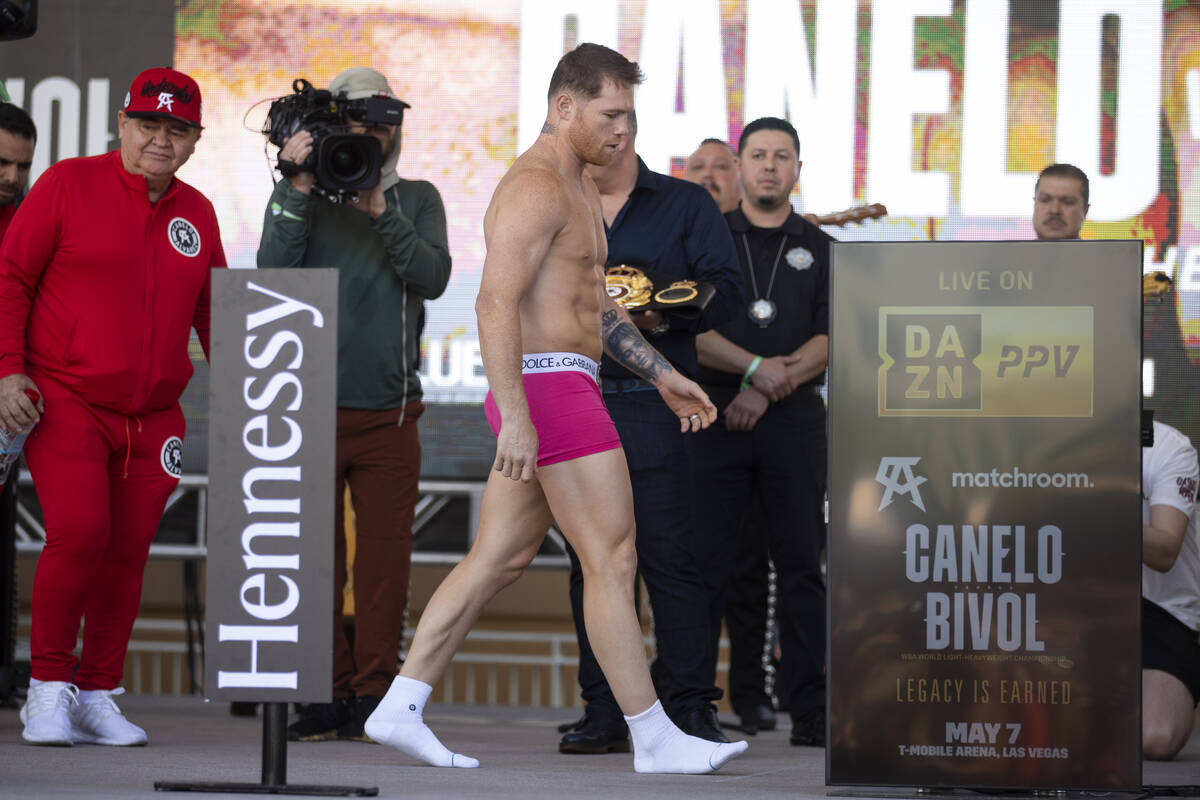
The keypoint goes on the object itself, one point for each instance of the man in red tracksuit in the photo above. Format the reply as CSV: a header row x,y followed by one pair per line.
x,y
103,273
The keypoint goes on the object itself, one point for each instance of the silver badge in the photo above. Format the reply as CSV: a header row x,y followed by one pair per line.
x,y
762,312
799,258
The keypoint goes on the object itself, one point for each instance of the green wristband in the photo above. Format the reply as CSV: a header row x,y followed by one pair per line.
x,y
750,372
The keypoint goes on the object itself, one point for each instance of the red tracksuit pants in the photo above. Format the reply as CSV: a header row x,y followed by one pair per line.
x,y
102,479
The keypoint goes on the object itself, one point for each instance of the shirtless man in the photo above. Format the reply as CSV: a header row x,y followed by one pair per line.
x,y
544,320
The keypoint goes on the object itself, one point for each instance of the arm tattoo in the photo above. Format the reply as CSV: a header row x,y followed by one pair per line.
x,y
626,345
547,127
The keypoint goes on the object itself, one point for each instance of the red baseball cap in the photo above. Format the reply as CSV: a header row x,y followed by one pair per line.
x,y
164,92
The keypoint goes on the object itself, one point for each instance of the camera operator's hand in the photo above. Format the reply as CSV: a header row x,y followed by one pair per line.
x,y
372,201
296,149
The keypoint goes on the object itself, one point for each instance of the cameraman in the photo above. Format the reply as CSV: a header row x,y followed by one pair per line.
x,y
389,246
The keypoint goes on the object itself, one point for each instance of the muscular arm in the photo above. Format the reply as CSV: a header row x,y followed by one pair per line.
x,y
626,345
526,214
1163,537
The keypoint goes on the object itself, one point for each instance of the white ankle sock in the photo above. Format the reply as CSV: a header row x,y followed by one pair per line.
x,y
397,722
660,746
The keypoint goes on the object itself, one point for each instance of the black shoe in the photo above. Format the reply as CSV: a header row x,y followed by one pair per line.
x,y
758,718
320,721
567,727
596,734
701,722
809,728
352,728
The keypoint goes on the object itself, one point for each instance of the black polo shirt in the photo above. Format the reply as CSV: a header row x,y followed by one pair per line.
x,y
800,289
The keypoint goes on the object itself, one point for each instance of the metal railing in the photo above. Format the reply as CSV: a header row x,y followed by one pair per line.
x,y
435,496
542,675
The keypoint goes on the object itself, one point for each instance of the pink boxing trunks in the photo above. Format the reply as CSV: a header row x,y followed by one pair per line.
x,y
565,406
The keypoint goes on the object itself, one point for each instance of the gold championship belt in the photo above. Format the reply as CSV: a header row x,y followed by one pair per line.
x,y
1156,284
639,289
628,286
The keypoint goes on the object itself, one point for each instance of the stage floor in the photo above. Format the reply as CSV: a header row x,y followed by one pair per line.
x,y
194,741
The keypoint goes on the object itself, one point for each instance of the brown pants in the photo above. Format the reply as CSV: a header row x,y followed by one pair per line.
x,y
381,462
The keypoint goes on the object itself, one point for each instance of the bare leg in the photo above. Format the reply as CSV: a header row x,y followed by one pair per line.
x,y
1167,712
513,521
595,512
598,522
593,505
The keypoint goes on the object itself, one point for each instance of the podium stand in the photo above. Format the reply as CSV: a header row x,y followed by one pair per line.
x,y
274,768
269,594
984,562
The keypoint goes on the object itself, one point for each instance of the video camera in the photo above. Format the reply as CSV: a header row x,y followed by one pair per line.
x,y
343,163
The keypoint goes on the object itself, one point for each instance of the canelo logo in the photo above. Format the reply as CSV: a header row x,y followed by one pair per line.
x,y
893,470
183,236
171,456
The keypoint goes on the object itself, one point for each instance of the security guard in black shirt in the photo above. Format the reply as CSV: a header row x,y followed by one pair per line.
x,y
763,371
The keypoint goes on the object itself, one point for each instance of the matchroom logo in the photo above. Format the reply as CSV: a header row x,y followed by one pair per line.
x,y
899,478
990,361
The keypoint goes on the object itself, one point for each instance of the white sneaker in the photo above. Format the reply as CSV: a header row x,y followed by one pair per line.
x,y
46,713
95,719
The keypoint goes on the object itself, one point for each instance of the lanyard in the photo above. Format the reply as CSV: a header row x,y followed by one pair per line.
x,y
774,267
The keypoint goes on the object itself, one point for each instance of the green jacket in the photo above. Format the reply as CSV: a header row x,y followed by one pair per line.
x,y
386,268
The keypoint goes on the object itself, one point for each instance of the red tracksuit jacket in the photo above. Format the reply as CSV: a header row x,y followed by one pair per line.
x,y
6,215
99,287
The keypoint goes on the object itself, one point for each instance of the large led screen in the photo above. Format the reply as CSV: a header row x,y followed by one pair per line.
x,y
943,110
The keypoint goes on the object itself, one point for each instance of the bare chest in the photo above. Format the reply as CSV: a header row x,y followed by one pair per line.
x,y
582,241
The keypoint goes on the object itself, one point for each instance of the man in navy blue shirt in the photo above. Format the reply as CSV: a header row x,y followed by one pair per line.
x,y
672,227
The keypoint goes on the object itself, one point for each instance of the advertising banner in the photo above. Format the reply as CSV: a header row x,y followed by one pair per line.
x,y
985,517
942,110
268,627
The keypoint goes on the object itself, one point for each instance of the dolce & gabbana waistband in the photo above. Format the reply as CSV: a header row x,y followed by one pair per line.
x,y
559,362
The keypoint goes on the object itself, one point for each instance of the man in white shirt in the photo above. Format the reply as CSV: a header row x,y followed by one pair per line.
x,y
1170,593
